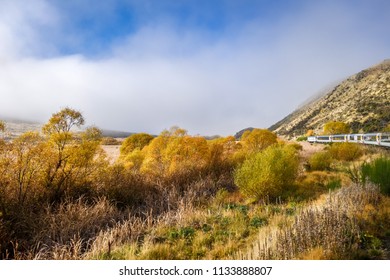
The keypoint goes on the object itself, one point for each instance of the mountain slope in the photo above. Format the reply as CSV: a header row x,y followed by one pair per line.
x,y
362,100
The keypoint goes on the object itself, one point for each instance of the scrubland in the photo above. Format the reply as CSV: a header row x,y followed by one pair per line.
x,y
177,196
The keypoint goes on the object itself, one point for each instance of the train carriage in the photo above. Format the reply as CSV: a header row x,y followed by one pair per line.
x,y
379,139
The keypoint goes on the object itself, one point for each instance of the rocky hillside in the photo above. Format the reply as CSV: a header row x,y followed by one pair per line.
x,y
362,100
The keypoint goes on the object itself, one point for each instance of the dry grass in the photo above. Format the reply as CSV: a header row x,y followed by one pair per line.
x,y
95,229
66,231
309,149
328,228
327,231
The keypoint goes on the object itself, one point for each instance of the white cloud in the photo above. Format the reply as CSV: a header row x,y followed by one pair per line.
x,y
23,26
163,75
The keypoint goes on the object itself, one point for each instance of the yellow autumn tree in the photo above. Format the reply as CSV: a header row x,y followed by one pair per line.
x,y
258,139
310,132
60,139
333,127
85,150
25,166
135,141
173,151
224,154
70,158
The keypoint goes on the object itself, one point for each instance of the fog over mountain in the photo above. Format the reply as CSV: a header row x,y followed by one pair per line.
x,y
362,101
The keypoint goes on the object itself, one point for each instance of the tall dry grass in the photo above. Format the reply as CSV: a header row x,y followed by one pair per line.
x,y
85,229
65,231
139,229
329,228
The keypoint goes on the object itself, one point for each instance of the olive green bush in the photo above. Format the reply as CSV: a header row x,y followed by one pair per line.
x,y
266,173
320,161
378,172
346,151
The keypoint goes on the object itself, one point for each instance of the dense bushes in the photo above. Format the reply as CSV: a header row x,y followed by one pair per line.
x,y
44,169
346,151
174,152
175,158
61,167
266,173
320,161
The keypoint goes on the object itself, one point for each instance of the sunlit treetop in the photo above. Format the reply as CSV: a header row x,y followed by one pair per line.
x,y
63,121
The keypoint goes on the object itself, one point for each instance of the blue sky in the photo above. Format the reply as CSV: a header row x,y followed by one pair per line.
x,y
90,27
212,67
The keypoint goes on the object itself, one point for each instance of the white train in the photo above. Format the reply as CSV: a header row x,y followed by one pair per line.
x,y
378,139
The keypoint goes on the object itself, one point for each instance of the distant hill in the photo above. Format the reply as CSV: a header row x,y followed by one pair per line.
x,y
362,100
241,132
15,127
115,133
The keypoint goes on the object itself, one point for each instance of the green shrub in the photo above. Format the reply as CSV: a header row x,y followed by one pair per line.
x,y
187,232
257,222
378,172
320,161
354,172
334,184
301,138
266,173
